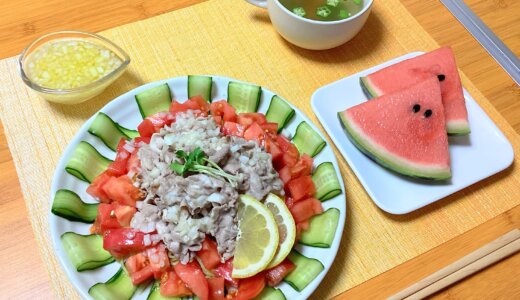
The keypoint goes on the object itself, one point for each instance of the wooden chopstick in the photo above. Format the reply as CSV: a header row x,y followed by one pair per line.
x,y
479,259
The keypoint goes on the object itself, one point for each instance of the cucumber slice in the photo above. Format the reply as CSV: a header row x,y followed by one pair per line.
x,y
322,229
306,270
307,140
326,182
119,287
279,112
107,131
155,294
86,163
68,205
85,251
200,86
154,100
130,133
244,97
270,293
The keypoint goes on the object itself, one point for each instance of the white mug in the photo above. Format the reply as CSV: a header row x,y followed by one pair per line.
x,y
312,34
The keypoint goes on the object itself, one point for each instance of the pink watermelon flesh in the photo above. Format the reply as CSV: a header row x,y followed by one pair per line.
x,y
439,63
403,131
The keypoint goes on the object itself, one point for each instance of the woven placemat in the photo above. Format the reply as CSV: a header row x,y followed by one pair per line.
x,y
232,38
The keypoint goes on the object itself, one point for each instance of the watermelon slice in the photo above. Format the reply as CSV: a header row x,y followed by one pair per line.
x,y
439,63
403,131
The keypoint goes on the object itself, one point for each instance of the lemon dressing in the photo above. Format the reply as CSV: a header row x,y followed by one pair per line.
x,y
70,63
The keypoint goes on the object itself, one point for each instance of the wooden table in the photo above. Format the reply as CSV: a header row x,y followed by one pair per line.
x,y
22,275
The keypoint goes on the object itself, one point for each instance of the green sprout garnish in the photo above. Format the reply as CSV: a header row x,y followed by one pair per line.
x,y
197,161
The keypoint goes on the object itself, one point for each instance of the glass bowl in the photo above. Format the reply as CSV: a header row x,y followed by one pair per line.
x,y
77,94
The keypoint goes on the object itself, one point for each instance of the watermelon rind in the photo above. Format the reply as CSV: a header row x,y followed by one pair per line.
x,y
387,159
458,127
367,88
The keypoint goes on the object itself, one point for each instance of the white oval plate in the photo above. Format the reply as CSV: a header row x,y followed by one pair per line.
x,y
124,110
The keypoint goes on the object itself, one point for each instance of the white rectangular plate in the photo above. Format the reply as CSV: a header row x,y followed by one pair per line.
x,y
484,152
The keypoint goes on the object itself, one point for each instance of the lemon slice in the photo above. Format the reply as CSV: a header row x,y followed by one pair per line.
x,y
257,239
286,228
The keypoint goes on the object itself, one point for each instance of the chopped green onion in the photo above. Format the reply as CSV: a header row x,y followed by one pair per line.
x,y
323,11
299,11
333,3
343,14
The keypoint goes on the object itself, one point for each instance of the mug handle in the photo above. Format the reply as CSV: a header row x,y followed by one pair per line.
x,y
259,3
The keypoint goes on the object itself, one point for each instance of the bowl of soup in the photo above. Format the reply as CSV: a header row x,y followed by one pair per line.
x,y
317,24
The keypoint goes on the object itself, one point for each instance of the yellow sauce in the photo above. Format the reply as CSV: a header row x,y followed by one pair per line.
x,y
70,63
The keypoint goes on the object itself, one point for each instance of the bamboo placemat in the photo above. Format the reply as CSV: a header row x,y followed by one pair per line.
x,y
232,38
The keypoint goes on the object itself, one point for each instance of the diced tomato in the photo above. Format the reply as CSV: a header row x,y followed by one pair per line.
x,y
154,123
251,287
272,147
121,190
192,275
224,270
216,288
105,219
161,119
250,118
287,146
95,189
244,121
303,225
159,260
275,275
209,254
146,128
172,285
121,242
194,103
112,216
142,275
255,133
144,139
136,262
124,214
177,107
138,268
133,162
218,119
285,174
121,146
117,168
201,103
232,128
289,202
301,187
288,159
223,112
270,127
305,209
303,167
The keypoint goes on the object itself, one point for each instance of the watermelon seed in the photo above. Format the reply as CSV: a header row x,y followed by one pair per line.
x,y
416,108
441,77
428,113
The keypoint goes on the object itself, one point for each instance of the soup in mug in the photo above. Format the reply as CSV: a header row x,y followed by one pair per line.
x,y
323,10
